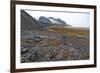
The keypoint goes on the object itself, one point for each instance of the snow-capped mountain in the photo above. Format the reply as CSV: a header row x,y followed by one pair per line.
x,y
52,20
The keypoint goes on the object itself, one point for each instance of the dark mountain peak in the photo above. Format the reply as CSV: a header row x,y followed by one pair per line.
x,y
44,19
60,20
52,18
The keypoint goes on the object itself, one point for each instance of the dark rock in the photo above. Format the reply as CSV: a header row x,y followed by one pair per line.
x,y
37,38
34,57
27,45
23,49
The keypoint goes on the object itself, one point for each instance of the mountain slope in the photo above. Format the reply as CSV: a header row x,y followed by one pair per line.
x,y
30,23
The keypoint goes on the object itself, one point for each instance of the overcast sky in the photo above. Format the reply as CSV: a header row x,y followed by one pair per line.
x,y
75,19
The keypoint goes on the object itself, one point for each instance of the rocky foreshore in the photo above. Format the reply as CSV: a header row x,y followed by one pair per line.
x,y
49,46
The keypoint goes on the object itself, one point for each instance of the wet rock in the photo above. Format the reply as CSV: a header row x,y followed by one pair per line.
x,y
23,49
33,55
37,38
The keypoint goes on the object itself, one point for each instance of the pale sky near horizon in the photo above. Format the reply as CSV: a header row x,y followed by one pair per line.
x,y
71,18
